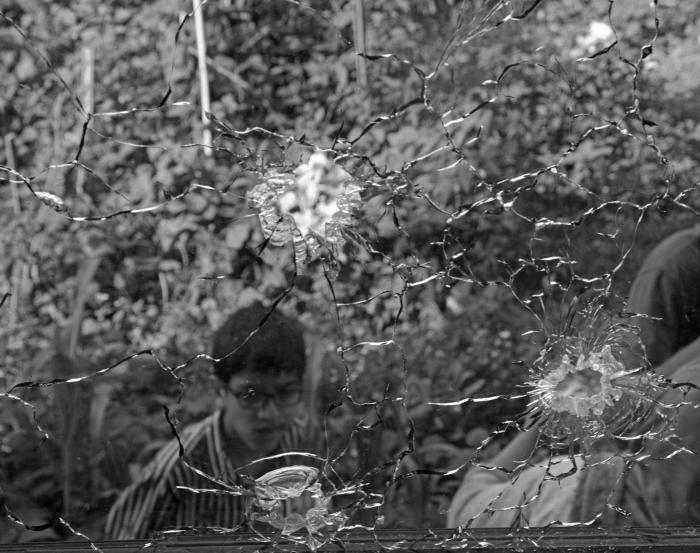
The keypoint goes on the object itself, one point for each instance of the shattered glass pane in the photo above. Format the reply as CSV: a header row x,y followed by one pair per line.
x,y
310,207
298,269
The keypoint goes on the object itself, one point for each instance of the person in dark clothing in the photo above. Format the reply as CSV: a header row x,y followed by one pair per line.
x,y
666,291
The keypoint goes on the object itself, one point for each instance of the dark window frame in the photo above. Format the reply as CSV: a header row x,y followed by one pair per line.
x,y
530,540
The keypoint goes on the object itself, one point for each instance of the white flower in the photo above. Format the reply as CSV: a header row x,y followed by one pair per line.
x,y
599,35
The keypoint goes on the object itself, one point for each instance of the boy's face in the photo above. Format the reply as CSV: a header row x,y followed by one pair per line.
x,y
259,406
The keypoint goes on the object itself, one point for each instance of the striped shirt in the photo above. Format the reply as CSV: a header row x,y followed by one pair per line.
x,y
163,498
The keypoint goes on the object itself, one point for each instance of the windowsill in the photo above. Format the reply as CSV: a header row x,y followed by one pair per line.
x,y
590,540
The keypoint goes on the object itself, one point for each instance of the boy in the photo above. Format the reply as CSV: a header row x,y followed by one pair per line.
x,y
260,360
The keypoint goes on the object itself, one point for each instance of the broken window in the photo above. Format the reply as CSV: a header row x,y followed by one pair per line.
x,y
481,215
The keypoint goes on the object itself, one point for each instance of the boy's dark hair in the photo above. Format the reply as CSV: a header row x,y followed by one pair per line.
x,y
277,345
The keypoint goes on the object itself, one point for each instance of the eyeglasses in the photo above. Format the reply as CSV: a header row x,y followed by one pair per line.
x,y
252,398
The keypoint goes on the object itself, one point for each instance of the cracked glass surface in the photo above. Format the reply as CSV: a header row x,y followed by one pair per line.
x,y
458,202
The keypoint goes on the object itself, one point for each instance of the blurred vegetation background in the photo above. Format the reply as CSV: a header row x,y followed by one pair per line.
x,y
511,156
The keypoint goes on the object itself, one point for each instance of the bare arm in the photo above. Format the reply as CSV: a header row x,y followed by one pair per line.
x,y
678,360
517,451
679,472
